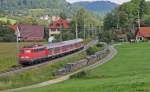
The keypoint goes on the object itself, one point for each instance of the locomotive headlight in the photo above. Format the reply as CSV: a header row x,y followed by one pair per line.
x,y
25,57
22,57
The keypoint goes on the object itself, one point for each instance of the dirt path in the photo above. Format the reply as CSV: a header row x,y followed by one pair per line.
x,y
112,54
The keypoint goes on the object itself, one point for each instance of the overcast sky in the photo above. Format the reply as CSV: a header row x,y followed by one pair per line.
x,y
116,1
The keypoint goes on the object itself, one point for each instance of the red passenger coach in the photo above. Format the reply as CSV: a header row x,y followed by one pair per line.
x,y
38,53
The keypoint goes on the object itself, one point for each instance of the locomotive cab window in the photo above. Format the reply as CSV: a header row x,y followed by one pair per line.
x,y
21,51
25,51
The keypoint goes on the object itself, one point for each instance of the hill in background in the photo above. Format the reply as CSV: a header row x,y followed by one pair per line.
x,y
35,7
98,8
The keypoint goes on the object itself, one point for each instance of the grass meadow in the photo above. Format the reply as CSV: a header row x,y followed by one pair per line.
x,y
12,21
129,71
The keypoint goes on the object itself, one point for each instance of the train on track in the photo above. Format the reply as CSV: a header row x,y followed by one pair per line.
x,y
34,54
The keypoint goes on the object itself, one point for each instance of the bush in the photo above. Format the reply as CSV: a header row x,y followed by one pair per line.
x,y
107,36
130,36
6,34
92,50
81,74
99,45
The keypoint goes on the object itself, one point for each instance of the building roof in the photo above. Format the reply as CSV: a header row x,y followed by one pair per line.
x,y
61,23
144,32
29,32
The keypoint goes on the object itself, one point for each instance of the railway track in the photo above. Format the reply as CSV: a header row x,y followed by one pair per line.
x,y
19,68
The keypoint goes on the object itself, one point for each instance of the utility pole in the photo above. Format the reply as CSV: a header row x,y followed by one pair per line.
x,y
17,39
92,30
76,30
84,32
95,31
139,25
118,21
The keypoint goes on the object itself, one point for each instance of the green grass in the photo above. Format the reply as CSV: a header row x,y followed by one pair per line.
x,y
12,21
129,71
86,41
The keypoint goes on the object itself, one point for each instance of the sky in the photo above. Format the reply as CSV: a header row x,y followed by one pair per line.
x,y
116,1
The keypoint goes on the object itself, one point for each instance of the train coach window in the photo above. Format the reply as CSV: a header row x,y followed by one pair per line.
x,y
50,49
39,49
57,49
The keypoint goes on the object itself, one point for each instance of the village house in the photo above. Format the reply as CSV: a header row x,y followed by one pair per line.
x,y
45,17
29,32
143,34
56,26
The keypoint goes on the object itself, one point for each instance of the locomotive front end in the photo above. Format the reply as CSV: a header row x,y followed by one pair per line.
x,y
25,56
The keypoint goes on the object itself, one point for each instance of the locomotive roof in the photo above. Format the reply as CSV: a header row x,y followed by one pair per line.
x,y
64,43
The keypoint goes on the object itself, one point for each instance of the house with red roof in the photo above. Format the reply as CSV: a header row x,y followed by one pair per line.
x,y
143,34
56,26
29,32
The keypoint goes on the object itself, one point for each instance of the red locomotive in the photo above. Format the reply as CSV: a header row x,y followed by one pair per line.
x,y
37,53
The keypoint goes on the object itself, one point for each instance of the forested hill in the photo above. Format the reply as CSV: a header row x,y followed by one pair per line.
x,y
97,6
17,4
48,6
39,8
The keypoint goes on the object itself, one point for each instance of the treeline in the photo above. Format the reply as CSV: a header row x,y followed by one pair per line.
x,y
86,24
32,4
126,17
123,22
37,7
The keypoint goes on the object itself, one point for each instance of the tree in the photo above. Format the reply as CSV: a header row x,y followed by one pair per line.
x,y
6,34
146,20
63,15
126,16
85,20
28,21
107,36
